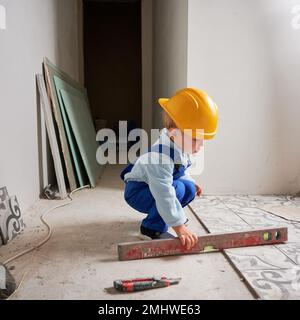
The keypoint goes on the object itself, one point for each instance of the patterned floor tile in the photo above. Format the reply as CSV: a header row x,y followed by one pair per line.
x,y
293,233
292,250
283,284
259,218
259,258
272,271
286,212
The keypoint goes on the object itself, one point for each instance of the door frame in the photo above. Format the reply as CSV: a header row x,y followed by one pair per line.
x,y
147,64
80,41
147,58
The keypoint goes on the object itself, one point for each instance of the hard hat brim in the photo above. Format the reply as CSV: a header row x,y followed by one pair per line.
x,y
163,102
200,135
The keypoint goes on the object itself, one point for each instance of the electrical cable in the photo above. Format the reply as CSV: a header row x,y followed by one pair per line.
x,y
46,239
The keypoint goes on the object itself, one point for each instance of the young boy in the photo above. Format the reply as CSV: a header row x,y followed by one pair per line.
x,y
157,183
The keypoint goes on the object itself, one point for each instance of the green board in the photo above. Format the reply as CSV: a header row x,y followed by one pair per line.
x,y
81,121
51,71
81,174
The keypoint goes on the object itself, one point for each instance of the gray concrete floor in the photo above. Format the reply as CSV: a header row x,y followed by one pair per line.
x,y
80,260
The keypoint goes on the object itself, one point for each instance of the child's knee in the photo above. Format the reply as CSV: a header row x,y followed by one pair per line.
x,y
138,196
190,190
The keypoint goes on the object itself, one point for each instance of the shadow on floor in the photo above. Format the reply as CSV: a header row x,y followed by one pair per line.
x,y
93,240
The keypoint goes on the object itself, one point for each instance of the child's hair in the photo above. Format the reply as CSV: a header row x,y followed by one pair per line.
x,y
167,121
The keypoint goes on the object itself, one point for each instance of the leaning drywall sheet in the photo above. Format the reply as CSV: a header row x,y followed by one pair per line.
x,y
82,125
45,103
50,72
60,84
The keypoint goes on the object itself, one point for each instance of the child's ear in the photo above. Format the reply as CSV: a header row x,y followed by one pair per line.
x,y
172,132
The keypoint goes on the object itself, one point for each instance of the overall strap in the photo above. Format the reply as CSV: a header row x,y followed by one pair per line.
x,y
159,148
179,169
166,150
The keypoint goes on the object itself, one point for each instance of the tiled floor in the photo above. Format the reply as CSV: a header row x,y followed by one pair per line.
x,y
80,260
273,272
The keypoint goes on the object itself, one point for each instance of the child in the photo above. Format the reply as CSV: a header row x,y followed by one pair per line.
x,y
157,183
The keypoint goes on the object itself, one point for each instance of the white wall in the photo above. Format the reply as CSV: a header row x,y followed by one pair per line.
x,y
246,56
35,28
169,50
283,32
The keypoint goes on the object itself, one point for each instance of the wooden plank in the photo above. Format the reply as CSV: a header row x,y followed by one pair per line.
x,y
81,173
45,103
206,243
63,75
50,71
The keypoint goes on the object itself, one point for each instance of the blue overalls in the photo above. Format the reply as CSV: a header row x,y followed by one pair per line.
x,y
138,195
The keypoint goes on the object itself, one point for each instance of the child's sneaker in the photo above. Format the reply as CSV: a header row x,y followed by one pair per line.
x,y
153,234
142,237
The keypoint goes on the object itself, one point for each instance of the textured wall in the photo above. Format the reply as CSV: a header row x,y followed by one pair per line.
x,y
169,50
245,54
35,29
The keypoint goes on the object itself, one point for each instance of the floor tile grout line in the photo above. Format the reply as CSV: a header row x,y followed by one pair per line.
x,y
232,210
286,256
239,273
207,230
252,290
257,207
198,219
293,222
247,284
274,246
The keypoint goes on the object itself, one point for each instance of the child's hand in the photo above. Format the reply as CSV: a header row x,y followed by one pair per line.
x,y
187,238
198,190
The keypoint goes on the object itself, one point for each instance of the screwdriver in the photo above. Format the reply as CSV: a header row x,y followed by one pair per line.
x,y
141,284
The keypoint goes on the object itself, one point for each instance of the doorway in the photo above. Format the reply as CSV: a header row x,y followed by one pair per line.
x,y
113,61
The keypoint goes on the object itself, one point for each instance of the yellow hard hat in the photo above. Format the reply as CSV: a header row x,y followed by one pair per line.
x,y
193,109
